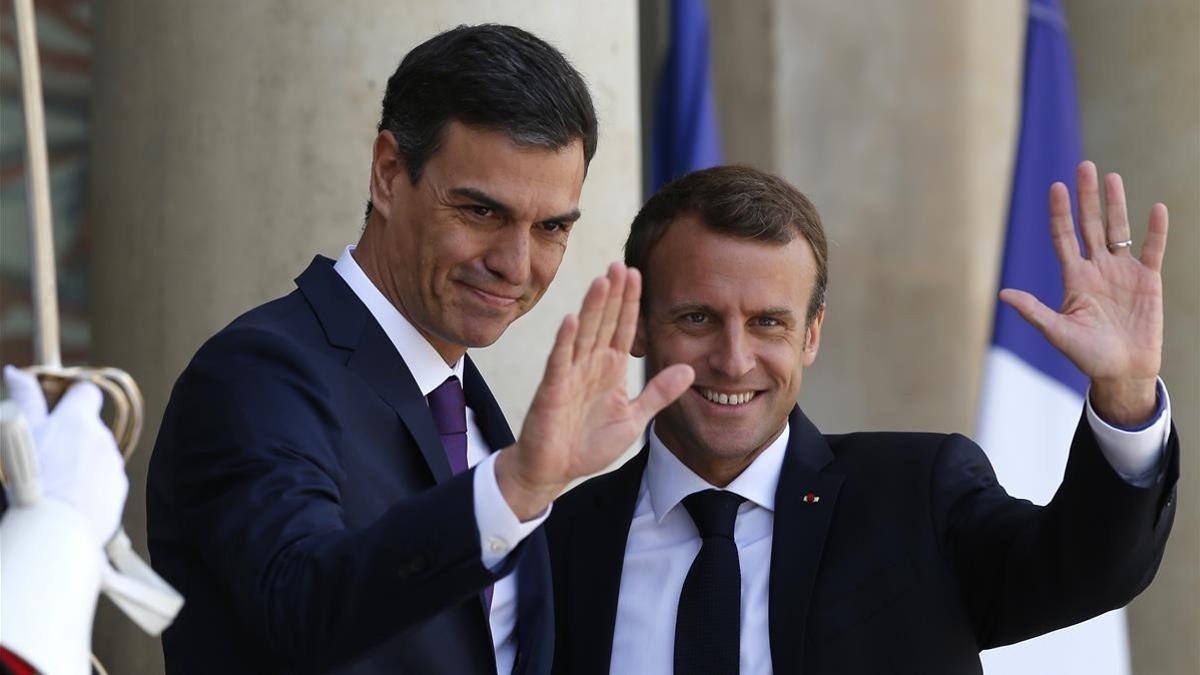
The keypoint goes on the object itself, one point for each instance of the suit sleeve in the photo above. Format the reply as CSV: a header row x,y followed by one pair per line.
x,y
257,483
1025,570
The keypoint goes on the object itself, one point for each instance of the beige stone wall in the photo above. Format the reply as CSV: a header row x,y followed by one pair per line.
x,y
1139,92
232,142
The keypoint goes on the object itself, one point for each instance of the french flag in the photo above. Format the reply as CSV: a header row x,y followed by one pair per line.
x,y
684,136
1032,395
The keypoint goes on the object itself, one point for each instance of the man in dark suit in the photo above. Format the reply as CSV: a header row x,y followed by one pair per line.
x,y
334,487
741,539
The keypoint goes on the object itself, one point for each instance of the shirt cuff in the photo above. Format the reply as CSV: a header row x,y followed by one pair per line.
x,y
499,529
1135,454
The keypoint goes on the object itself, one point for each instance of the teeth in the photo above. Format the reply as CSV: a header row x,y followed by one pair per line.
x,y
727,399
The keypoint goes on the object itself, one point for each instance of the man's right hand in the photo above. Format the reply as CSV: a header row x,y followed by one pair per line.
x,y
582,418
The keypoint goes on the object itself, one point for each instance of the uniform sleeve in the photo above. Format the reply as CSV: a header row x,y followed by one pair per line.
x,y
1025,570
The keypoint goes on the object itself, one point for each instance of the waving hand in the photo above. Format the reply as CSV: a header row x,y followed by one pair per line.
x,y
1111,321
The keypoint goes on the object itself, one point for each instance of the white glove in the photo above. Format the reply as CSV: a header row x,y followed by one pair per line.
x,y
79,464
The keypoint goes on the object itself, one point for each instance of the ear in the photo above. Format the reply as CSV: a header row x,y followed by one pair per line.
x,y
386,167
812,337
639,339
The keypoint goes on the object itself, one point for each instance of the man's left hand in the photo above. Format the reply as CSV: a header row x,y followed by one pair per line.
x,y
1111,322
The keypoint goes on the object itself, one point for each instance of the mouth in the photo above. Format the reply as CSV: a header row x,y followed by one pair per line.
x,y
726,399
493,299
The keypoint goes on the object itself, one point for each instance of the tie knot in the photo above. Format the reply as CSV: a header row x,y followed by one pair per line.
x,y
449,407
713,511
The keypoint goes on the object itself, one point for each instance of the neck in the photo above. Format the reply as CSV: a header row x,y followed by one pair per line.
x,y
366,255
716,470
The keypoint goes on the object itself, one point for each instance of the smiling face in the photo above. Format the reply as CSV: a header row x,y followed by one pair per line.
x,y
734,310
476,242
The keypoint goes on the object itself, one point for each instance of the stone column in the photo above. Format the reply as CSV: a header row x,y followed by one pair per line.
x,y
232,142
898,121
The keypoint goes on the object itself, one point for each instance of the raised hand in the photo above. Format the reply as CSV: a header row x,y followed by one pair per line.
x,y
582,418
1111,322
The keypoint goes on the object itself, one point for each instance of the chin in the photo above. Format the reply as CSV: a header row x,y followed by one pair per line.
x,y
732,449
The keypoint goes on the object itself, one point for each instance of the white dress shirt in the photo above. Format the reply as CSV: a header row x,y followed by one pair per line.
x,y
663,542
499,528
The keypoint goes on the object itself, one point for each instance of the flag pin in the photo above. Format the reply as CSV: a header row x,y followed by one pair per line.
x,y
811,498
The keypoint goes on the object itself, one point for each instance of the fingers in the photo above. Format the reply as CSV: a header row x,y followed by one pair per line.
x,y
589,316
617,275
627,323
1032,310
1091,221
83,400
669,384
25,391
1116,212
1062,226
1156,238
558,364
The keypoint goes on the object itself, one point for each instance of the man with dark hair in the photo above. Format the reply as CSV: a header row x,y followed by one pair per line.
x,y
741,539
334,488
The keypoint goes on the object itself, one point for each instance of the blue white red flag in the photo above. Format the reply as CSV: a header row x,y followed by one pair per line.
x,y
685,135
1032,395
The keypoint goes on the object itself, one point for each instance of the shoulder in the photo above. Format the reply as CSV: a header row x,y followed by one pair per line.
x,y
282,334
613,492
271,361
889,452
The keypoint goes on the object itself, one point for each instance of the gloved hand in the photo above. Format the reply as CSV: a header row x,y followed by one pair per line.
x,y
79,464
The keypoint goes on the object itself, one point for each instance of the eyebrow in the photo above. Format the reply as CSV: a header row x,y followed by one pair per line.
x,y
484,199
774,311
685,307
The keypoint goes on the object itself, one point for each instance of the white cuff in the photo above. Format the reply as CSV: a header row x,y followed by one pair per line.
x,y
1135,455
499,529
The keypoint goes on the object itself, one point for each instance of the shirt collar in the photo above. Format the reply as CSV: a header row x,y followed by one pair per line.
x,y
670,480
423,361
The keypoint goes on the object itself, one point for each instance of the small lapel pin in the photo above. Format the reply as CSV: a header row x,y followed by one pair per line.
x,y
811,498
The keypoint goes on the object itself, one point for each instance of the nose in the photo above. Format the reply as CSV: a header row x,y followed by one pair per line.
x,y
732,356
508,257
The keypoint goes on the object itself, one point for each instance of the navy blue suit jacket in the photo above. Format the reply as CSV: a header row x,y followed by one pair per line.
x,y
300,499
912,561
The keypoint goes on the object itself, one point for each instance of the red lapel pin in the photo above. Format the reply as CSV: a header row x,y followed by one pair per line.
x,y
811,498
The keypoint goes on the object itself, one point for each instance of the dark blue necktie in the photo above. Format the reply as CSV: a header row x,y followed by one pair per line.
x,y
708,625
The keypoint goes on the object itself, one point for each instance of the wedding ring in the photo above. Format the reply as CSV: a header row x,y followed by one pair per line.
x,y
1119,244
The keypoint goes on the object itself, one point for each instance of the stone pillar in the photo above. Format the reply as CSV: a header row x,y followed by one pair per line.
x,y
1138,66
898,121
232,142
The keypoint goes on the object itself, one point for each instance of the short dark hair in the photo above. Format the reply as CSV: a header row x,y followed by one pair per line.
x,y
738,201
496,77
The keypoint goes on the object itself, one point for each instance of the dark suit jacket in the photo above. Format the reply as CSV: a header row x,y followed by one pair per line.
x,y
301,500
912,561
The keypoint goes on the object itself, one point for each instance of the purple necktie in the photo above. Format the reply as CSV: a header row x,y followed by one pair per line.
x,y
449,408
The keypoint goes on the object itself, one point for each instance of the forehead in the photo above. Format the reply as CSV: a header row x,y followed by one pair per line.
x,y
694,264
523,177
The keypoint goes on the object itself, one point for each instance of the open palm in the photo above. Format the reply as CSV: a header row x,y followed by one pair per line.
x,y
581,418
1111,321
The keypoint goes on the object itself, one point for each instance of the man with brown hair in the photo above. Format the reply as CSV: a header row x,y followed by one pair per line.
x,y
741,539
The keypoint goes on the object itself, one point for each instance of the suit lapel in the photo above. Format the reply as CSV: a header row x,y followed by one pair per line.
x,y
488,415
800,530
348,324
596,556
